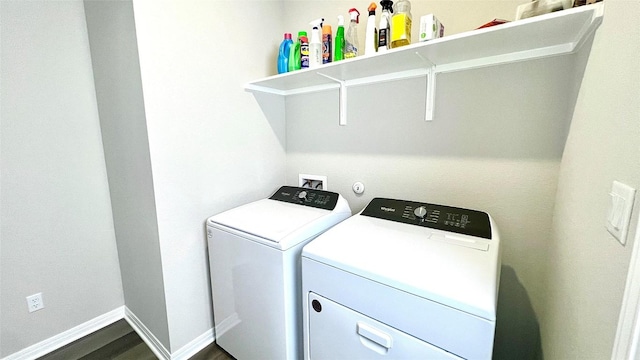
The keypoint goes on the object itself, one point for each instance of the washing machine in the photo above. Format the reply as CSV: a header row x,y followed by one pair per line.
x,y
402,280
254,257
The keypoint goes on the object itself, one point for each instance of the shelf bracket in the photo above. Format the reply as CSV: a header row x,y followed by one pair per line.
x,y
431,88
343,98
431,94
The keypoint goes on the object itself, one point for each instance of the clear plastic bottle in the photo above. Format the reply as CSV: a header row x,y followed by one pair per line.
x,y
283,54
401,24
351,38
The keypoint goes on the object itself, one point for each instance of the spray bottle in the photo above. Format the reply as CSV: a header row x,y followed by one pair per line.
x,y
384,34
371,34
351,39
339,51
315,46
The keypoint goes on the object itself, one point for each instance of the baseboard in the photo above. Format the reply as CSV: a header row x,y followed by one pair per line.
x,y
194,346
160,350
147,336
56,342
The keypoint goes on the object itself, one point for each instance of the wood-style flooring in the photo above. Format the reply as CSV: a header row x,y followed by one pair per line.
x,y
118,341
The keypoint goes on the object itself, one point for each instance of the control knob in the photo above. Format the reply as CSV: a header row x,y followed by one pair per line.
x,y
302,195
420,212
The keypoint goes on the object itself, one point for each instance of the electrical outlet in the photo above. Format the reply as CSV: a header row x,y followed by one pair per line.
x,y
318,182
34,302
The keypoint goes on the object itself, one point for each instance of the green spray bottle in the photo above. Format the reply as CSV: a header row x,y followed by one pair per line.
x,y
339,40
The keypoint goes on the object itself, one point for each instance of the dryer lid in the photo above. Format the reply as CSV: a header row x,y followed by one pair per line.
x,y
416,259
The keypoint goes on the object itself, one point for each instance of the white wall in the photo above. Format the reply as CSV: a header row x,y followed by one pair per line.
x,y
586,266
116,71
57,229
211,147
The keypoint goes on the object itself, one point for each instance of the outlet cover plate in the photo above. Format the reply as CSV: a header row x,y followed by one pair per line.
x,y
34,302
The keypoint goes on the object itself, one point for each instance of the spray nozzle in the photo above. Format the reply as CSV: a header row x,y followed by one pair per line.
x,y
387,4
340,20
317,23
355,15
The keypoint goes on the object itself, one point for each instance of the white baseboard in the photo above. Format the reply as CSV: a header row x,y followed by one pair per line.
x,y
55,342
160,350
194,346
147,336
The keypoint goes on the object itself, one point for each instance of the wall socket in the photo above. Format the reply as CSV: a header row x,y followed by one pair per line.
x,y
34,302
318,182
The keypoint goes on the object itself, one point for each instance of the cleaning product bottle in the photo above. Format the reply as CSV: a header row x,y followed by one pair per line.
x,y
401,24
338,53
315,46
371,34
326,43
304,49
384,34
283,54
294,56
351,39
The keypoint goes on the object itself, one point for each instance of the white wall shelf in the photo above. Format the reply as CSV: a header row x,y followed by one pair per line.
x,y
558,33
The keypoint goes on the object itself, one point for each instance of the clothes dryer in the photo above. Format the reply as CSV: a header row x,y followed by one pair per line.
x,y
402,279
254,256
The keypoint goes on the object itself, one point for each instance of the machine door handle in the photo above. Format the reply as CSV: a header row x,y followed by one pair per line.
x,y
376,336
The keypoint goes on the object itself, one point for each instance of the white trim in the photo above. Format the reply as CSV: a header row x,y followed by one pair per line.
x,y
194,346
64,338
626,343
147,336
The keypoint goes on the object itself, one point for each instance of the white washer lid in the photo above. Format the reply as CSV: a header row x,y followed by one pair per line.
x,y
415,259
269,219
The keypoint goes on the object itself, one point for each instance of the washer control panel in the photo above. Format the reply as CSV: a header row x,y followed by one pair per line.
x,y
447,218
309,197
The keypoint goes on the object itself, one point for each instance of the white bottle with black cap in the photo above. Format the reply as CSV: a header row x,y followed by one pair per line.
x,y
384,33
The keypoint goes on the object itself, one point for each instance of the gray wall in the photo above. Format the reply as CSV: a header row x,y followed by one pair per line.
x,y
495,144
57,229
587,267
116,70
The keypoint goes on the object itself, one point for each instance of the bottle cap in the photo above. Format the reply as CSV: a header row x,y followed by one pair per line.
x,y
372,8
355,15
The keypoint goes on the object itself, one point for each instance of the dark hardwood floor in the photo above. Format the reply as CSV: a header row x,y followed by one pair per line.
x,y
118,341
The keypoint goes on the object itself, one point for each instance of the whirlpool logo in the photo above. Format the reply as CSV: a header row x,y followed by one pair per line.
x,y
387,209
